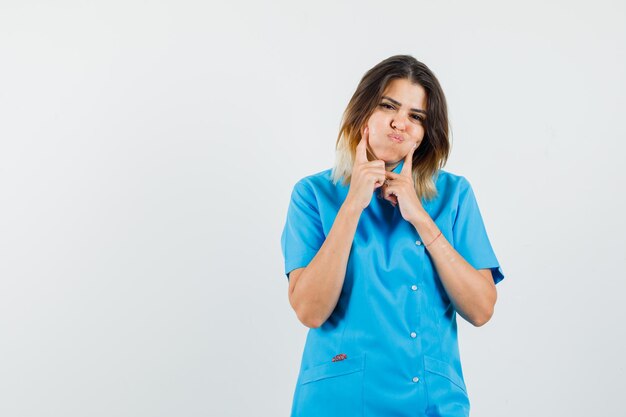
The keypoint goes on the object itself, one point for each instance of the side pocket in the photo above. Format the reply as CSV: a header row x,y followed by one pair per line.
x,y
331,389
447,394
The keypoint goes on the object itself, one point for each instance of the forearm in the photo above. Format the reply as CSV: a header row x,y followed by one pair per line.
x,y
472,296
319,285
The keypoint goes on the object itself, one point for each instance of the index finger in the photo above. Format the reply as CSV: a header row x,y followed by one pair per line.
x,y
407,168
361,148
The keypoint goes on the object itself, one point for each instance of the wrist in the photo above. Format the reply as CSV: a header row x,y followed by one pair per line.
x,y
427,229
421,219
351,207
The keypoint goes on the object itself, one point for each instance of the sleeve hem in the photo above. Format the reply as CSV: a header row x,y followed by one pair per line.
x,y
498,274
300,261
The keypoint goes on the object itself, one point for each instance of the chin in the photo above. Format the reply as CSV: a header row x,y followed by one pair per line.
x,y
392,161
387,151
389,157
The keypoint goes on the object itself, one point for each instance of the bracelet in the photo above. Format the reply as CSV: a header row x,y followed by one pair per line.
x,y
433,240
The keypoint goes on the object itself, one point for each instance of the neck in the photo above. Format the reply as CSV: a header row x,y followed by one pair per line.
x,y
389,166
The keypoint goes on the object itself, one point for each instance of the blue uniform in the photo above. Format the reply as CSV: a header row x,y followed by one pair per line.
x,y
393,323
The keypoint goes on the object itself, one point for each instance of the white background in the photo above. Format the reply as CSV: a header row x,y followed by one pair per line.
x,y
147,155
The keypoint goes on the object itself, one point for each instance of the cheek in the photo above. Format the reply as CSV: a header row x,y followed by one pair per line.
x,y
418,134
376,125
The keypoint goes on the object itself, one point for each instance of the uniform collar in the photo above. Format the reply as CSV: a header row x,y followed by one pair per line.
x,y
398,167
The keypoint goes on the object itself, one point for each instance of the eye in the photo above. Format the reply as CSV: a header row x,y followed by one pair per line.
x,y
415,116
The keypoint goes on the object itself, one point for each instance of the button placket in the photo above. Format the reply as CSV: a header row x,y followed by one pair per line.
x,y
414,287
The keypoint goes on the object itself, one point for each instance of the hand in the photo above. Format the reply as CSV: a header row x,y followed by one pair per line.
x,y
400,189
366,175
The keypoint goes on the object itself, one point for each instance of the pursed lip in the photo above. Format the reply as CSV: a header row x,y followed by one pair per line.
x,y
396,138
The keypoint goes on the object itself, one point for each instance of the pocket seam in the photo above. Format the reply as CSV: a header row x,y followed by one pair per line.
x,y
442,368
332,369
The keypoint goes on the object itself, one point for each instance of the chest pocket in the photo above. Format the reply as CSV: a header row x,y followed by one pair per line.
x,y
331,389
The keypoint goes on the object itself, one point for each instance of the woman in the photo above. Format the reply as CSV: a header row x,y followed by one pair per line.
x,y
381,252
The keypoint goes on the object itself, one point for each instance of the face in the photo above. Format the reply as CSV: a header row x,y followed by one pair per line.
x,y
398,122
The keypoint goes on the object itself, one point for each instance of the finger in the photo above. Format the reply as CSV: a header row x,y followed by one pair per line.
x,y
381,192
361,148
390,192
380,181
407,168
391,198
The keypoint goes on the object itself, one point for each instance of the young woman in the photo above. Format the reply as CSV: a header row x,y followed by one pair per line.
x,y
382,252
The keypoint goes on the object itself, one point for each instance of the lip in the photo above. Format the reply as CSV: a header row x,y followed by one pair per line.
x,y
396,138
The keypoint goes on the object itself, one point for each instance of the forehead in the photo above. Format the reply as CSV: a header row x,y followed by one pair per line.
x,y
409,94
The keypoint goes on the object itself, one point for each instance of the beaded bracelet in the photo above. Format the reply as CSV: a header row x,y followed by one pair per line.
x,y
433,240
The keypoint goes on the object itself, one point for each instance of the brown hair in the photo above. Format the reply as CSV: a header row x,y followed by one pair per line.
x,y
433,151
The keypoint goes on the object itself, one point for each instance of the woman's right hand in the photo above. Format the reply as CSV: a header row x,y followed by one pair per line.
x,y
367,175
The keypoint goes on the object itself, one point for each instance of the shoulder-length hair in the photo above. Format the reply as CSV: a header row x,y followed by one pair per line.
x,y
433,151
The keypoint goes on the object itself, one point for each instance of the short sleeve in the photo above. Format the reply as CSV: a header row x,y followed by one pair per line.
x,y
303,234
470,236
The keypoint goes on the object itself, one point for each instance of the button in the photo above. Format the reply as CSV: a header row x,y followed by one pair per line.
x,y
415,379
414,287
417,242
413,335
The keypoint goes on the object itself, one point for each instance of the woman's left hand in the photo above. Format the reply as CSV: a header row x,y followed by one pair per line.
x,y
400,189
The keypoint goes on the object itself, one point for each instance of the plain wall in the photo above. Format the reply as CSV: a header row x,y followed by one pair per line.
x,y
147,155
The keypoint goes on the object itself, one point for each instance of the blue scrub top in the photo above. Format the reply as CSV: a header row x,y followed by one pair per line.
x,y
394,321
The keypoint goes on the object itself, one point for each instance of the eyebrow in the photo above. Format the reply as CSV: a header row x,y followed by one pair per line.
x,y
397,103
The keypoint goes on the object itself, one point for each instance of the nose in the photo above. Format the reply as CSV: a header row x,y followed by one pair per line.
x,y
398,121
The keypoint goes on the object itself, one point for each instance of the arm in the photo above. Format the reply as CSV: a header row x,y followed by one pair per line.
x,y
471,291
314,290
